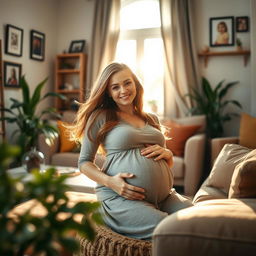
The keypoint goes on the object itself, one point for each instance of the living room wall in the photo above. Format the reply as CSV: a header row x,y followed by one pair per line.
x,y
28,15
230,68
63,21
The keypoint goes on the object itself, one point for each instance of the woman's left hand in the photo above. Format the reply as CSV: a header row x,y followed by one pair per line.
x,y
157,152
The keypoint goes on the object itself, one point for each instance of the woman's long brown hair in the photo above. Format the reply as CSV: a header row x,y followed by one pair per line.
x,y
99,101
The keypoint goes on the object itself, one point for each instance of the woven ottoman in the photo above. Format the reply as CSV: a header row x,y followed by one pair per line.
x,y
109,243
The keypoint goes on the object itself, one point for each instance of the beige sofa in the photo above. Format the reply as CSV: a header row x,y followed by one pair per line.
x,y
216,224
187,169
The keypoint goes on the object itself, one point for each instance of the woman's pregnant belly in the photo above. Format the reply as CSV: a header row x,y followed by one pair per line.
x,y
154,176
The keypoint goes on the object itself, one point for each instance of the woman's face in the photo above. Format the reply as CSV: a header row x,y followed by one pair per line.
x,y
122,88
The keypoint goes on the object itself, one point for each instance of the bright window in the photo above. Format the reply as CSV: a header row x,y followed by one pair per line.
x,y
140,46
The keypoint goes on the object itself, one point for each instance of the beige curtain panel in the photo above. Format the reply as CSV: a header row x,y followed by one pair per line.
x,y
180,52
104,38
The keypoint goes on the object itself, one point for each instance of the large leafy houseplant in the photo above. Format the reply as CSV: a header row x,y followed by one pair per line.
x,y
31,124
47,235
212,103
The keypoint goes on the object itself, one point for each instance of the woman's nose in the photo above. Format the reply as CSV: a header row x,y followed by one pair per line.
x,y
123,88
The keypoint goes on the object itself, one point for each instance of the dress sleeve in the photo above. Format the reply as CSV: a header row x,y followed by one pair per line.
x,y
88,147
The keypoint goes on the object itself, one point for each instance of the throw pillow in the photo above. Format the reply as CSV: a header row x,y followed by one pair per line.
x,y
178,135
247,134
221,174
243,183
66,145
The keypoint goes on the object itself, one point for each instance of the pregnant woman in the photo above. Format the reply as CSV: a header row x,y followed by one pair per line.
x,y
135,184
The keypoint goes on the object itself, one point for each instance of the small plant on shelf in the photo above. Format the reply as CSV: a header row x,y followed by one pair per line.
x,y
239,44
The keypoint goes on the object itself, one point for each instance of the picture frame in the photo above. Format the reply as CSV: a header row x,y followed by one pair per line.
x,y
13,40
242,24
76,46
37,45
12,74
222,31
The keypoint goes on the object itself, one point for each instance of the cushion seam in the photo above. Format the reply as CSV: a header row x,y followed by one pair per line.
x,y
208,237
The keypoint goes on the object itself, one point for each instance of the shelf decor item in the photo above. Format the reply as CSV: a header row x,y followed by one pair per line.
x,y
76,46
242,24
13,40
221,31
37,45
12,74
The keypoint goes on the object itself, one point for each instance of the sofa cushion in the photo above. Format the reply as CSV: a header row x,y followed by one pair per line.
x,y
243,183
66,145
247,134
214,227
178,135
229,157
69,159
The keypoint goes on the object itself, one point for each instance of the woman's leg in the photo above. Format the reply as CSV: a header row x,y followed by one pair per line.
x,y
132,218
175,202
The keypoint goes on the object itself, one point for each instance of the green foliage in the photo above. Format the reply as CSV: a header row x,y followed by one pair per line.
x,y
30,124
212,104
40,234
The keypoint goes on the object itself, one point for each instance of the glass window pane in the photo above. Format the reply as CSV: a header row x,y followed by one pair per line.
x,y
140,14
153,73
126,53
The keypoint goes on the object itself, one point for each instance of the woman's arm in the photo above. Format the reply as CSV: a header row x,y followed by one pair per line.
x,y
116,183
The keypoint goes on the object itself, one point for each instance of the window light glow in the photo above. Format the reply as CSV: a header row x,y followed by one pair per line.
x,y
141,14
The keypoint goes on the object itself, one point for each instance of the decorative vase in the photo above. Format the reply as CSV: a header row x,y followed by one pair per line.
x,y
33,159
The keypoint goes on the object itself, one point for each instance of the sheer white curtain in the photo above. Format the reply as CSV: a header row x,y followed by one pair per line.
x,y
181,56
104,37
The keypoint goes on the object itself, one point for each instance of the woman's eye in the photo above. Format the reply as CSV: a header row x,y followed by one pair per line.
x,y
115,88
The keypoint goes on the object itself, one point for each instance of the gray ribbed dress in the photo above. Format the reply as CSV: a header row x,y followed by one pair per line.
x,y
133,218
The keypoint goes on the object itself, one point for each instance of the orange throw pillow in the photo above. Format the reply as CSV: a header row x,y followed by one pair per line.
x,y
247,132
178,135
66,145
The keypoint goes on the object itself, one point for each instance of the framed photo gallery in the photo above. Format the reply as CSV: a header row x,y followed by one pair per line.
x,y
222,29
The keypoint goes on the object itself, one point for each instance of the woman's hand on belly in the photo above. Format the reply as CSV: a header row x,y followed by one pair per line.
x,y
118,184
157,152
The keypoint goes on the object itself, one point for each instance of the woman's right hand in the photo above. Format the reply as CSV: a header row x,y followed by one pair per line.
x,y
118,184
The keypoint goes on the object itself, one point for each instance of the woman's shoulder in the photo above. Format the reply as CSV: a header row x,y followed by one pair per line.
x,y
153,116
98,116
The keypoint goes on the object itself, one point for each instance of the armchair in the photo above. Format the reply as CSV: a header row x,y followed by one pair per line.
x,y
187,169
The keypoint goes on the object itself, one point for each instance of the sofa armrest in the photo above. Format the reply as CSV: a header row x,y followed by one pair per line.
x,y
218,143
47,150
194,161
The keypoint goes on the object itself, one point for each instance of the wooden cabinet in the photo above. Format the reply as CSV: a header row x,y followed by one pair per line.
x,y
70,80
2,126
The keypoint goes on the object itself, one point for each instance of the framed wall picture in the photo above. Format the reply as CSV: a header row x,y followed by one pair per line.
x,y
242,24
37,45
76,46
12,74
222,31
13,40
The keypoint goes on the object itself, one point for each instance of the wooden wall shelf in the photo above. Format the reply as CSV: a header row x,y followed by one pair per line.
x,y
206,55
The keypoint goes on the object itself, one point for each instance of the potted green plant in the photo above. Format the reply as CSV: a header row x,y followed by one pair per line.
x,y
212,103
31,123
27,231
239,44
